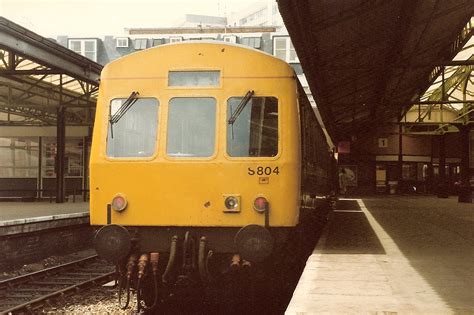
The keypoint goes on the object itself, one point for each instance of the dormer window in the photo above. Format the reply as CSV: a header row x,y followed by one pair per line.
x,y
283,49
141,43
230,39
254,42
85,47
176,39
121,42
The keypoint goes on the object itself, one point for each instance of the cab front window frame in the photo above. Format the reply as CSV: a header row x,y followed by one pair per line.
x,y
191,131
255,134
134,136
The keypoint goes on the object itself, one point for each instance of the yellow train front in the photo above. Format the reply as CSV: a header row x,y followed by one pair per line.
x,y
196,151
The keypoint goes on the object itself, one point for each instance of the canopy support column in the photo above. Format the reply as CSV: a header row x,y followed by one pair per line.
x,y
60,146
442,189
465,194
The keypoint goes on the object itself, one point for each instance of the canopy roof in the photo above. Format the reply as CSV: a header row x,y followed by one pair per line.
x,y
37,76
368,61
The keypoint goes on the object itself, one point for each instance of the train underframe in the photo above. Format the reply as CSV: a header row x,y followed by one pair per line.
x,y
160,264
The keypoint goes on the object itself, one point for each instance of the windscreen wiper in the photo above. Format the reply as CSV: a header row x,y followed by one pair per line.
x,y
113,119
240,107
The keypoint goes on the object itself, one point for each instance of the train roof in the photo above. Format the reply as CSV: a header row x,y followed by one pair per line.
x,y
233,60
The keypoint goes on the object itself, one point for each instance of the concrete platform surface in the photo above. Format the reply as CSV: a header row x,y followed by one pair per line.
x,y
14,211
391,255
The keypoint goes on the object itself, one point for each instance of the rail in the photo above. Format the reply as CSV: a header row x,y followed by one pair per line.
x,y
31,291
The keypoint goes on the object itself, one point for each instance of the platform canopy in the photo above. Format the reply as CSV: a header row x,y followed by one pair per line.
x,y
368,61
38,76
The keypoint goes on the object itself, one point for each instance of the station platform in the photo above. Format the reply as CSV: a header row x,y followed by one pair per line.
x,y
31,231
25,210
20,217
391,255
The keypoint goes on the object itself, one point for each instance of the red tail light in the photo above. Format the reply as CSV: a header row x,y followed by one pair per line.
x,y
119,203
260,204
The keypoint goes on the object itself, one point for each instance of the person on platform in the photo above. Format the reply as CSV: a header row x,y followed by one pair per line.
x,y
344,179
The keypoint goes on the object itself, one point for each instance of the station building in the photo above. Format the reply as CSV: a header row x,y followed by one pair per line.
x,y
47,100
396,98
402,156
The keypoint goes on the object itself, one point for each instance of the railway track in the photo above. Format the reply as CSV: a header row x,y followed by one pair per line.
x,y
31,292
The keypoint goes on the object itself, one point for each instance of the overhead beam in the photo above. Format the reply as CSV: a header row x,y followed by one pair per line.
x,y
25,43
30,72
28,113
41,90
39,113
442,102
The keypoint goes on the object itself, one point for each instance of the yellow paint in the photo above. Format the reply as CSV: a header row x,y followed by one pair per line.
x,y
164,191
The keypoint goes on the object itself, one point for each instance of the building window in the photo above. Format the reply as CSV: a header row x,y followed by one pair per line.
x,y
49,157
283,49
230,39
141,43
73,157
191,127
409,171
158,42
254,42
19,157
176,39
85,47
121,42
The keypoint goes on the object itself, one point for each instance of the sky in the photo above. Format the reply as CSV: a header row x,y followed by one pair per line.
x,y
97,18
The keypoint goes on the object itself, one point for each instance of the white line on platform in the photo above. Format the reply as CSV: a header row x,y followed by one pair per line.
x,y
347,211
45,218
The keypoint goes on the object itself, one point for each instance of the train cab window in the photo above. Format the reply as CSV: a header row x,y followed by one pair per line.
x,y
254,131
193,78
133,134
191,127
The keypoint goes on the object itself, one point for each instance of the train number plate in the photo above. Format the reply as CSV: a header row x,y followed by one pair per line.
x,y
263,170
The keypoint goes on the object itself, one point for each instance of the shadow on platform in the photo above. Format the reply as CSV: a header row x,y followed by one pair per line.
x,y
347,205
350,232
